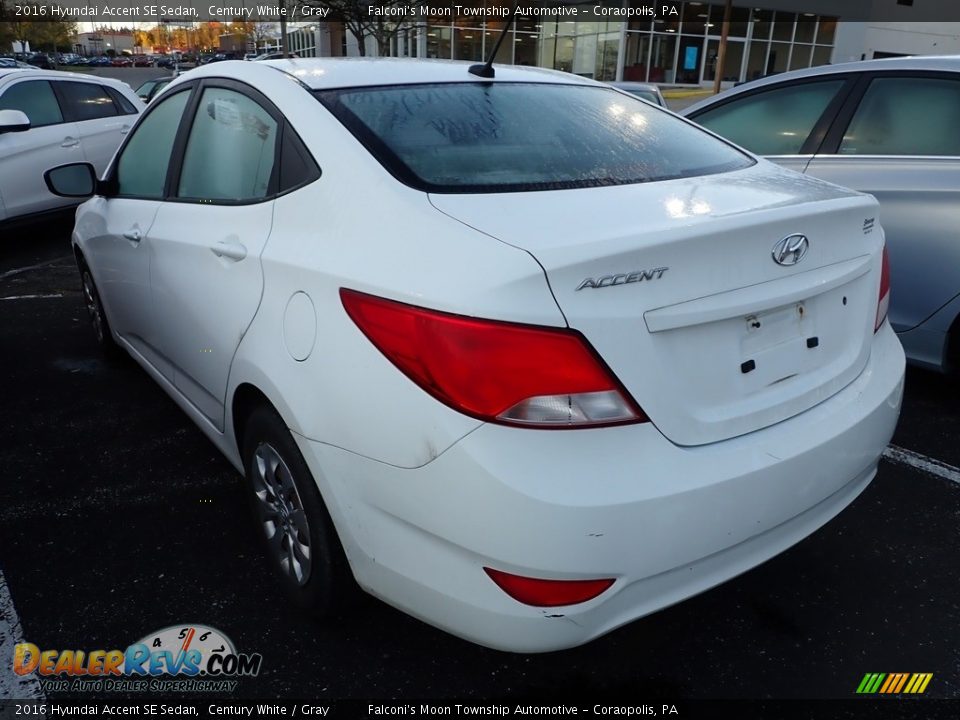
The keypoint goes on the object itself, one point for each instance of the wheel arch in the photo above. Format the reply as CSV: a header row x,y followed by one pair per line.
x,y
952,352
246,398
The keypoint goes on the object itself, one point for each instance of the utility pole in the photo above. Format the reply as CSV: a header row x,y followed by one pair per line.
x,y
722,52
284,50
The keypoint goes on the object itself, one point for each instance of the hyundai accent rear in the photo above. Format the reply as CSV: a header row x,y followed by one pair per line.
x,y
532,358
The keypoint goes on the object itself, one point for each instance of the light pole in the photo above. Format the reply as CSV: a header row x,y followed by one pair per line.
x,y
722,52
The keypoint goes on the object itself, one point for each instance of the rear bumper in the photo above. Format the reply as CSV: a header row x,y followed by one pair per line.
x,y
666,521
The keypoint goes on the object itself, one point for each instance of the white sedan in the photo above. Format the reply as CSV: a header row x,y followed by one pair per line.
x,y
525,356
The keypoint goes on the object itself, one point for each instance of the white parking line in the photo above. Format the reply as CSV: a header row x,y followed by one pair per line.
x,y
31,297
17,271
13,686
922,462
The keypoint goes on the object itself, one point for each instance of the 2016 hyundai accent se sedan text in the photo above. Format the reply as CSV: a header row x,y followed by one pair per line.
x,y
526,357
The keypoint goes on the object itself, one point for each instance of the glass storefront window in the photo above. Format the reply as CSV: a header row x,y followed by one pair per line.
x,y
762,24
525,47
731,63
562,54
779,55
800,57
663,49
821,55
826,31
585,56
525,23
635,58
468,44
694,18
783,26
739,21
638,24
670,26
607,47
757,60
682,51
806,25
438,41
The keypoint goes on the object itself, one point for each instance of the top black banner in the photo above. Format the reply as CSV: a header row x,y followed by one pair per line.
x,y
154,11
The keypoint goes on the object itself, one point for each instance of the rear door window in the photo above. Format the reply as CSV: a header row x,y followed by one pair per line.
x,y
772,122
906,116
231,150
86,101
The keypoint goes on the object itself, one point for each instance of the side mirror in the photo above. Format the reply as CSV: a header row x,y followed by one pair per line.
x,y
13,121
76,180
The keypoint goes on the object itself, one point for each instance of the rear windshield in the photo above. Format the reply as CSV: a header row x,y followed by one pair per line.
x,y
507,137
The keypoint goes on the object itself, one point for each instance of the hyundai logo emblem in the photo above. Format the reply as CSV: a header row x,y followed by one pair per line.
x,y
790,250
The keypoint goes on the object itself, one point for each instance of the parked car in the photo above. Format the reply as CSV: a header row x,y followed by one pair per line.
x,y
149,90
584,361
121,61
142,61
40,60
250,56
143,91
102,61
887,127
50,118
645,91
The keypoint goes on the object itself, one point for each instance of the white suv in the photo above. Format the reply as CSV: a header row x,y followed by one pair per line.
x,y
49,118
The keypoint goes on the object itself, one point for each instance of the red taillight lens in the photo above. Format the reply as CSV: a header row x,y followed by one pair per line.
x,y
497,371
547,593
883,301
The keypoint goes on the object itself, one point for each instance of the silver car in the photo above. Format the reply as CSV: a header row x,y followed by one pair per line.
x,y
887,127
642,90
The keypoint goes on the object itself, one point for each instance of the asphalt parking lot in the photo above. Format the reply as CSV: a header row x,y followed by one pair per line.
x,y
118,518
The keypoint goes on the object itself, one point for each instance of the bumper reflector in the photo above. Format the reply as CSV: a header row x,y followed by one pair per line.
x,y
547,593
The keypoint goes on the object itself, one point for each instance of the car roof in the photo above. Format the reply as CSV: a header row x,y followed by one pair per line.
x,y
7,73
916,62
328,73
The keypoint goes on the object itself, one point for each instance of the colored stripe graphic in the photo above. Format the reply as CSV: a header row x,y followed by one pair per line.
x,y
894,683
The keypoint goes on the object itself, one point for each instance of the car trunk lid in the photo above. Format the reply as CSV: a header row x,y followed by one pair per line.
x,y
675,285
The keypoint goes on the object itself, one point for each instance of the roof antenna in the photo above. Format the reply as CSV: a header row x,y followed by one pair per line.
x,y
486,70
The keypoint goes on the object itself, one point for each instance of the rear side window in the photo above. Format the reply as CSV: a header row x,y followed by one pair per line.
x,y
297,167
126,107
906,116
86,101
231,149
772,122
142,167
36,99
507,137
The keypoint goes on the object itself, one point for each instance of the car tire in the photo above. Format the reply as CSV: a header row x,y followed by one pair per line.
x,y
96,313
298,535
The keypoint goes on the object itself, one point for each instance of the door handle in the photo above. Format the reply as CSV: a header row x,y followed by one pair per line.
x,y
133,235
125,129
234,251
69,142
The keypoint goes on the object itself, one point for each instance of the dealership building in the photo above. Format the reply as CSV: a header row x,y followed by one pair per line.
x,y
765,36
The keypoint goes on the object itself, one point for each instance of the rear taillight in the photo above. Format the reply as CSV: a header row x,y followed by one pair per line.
x,y
883,300
547,593
496,371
